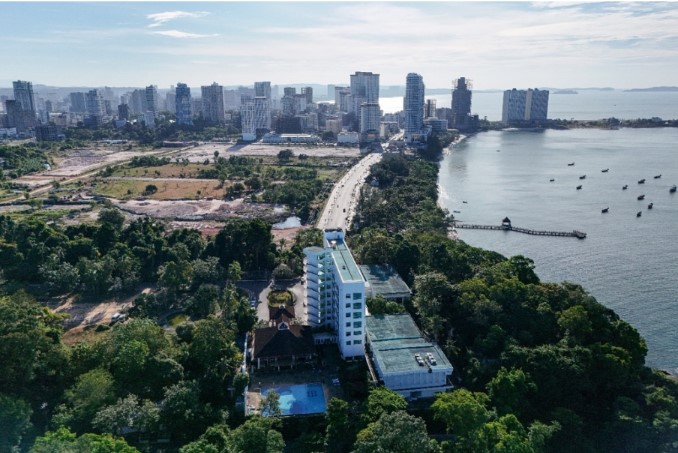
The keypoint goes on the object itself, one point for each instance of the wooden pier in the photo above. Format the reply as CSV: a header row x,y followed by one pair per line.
x,y
470,226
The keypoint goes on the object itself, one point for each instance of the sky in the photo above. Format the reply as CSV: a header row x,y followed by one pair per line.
x,y
498,45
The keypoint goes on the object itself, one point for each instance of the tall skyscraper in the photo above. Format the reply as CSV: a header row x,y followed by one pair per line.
x,y
370,117
340,101
23,95
183,104
262,113
364,90
213,103
461,103
171,100
94,103
413,106
430,108
308,92
262,89
525,106
152,100
248,120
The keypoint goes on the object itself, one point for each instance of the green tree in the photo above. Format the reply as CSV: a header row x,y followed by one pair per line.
x,y
64,441
340,433
129,413
396,432
285,155
256,435
270,404
111,216
91,391
509,390
214,440
15,416
382,401
461,411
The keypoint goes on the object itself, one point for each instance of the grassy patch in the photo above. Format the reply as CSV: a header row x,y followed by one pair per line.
x,y
177,319
280,297
164,171
167,190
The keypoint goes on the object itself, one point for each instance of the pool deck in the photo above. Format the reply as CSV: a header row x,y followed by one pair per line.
x,y
268,379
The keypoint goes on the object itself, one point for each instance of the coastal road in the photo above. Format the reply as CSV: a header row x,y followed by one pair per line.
x,y
341,204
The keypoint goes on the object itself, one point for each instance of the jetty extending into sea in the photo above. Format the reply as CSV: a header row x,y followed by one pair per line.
x,y
506,226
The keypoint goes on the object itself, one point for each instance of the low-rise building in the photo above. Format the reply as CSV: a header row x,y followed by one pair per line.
x,y
280,139
403,359
349,138
383,280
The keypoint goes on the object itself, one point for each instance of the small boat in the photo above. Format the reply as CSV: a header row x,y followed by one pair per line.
x,y
672,189
604,170
642,181
638,214
605,210
657,176
551,180
650,206
582,177
626,186
570,164
578,187
641,197
498,150
464,202
457,212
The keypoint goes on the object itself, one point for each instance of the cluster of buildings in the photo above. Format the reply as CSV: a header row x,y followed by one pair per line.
x,y
336,290
348,115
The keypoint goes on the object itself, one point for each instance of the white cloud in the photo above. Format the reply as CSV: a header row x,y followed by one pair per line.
x,y
181,34
160,18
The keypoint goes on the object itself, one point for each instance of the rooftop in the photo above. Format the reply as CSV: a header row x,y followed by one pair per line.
x,y
384,280
348,269
394,341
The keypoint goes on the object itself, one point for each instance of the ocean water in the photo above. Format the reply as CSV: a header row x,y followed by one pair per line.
x,y
587,105
627,263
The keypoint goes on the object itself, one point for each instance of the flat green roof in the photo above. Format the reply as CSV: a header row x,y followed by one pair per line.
x,y
394,341
345,263
384,280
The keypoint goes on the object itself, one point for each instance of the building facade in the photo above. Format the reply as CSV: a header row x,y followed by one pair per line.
x,y
152,101
335,293
23,95
461,103
525,106
213,103
94,104
364,90
248,120
413,106
183,104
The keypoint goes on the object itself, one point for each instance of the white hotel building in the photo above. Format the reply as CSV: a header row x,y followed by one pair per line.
x,y
335,293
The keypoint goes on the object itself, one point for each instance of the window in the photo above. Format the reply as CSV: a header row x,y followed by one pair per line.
x,y
348,334
348,296
356,315
357,332
356,324
348,343
348,304
357,305
357,296
357,341
348,315
348,324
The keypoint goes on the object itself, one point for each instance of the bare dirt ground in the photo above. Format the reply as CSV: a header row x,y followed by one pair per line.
x,y
202,152
198,210
83,314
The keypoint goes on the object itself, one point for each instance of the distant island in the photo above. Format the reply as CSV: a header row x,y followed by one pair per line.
x,y
565,92
653,89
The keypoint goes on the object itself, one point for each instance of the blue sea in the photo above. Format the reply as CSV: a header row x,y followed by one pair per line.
x,y
627,263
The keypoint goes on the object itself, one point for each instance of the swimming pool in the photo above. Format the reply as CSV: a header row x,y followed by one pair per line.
x,y
300,399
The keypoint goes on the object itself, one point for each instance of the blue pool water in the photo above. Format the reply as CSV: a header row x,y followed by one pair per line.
x,y
300,399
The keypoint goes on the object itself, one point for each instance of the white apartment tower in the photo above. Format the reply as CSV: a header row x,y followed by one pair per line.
x,y
413,106
152,100
335,292
248,120
364,90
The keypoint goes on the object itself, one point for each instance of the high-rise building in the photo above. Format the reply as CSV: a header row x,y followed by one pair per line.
x,y
335,292
94,104
23,95
289,91
308,92
341,97
430,108
525,106
248,120
123,112
364,90
77,102
262,89
183,105
152,100
213,103
262,113
461,103
171,100
413,106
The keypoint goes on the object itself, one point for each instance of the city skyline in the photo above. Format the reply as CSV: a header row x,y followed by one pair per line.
x,y
501,45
